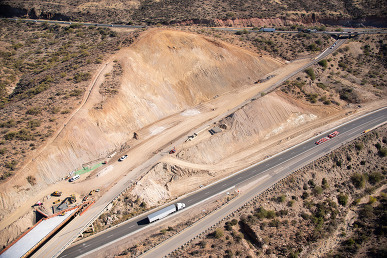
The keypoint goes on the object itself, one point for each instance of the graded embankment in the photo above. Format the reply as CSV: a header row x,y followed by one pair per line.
x,y
163,73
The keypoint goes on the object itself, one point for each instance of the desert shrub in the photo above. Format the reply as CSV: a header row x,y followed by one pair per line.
x,y
383,152
321,86
291,203
304,195
78,77
317,190
33,111
10,164
342,199
3,151
311,183
378,146
76,92
234,222
371,200
358,180
274,223
55,110
323,63
10,123
66,111
324,183
281,198
31,180
375,177
310,73
10,136
34,123
24,135
218,233
359,146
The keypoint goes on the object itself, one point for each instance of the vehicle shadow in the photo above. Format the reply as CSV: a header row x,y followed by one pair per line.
x,y
143,222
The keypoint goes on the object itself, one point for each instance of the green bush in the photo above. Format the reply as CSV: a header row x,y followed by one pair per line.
x,y
10,164
317,190
323,63
358,180
383,152
321,85
375,177
76,92
342,199
310,73
10,136
218,233
3,151
78,77
34,123
25,135
281,198
359,146
324,183
33,111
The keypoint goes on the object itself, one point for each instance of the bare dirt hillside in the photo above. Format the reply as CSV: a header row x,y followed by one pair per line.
x,y
210,157
163,73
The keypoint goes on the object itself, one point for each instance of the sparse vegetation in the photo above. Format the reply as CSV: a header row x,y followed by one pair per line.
x,y
44,70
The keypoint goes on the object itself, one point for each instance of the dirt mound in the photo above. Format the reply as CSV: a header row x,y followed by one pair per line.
x,y
254,123
244,134
163,73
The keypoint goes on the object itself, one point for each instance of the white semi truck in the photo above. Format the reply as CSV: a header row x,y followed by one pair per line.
x,y
165,212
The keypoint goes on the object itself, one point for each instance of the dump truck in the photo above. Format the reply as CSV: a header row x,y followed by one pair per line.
x,y
165,212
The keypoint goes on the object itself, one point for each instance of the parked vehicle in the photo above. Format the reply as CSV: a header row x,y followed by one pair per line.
x,y
122,158
74,178
165,212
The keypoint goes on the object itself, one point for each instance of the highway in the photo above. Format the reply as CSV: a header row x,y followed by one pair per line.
x,y
278,166
230,29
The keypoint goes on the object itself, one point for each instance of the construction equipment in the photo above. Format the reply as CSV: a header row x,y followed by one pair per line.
x,y
56,193
72,199
172,151
57,201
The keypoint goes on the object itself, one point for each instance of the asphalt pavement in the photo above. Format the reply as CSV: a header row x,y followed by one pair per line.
x,y
282,162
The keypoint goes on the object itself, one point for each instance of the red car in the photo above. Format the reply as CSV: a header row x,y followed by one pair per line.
x,y
322,140
335,133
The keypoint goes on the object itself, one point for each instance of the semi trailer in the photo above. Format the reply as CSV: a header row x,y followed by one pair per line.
x,y
165,212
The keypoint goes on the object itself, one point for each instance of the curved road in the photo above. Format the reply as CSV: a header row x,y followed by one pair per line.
x,y
279,166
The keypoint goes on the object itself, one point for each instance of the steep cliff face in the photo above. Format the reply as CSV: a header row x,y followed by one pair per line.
x,y
163,73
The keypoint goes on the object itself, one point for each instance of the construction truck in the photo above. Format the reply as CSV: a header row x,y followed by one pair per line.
x,y
56,193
